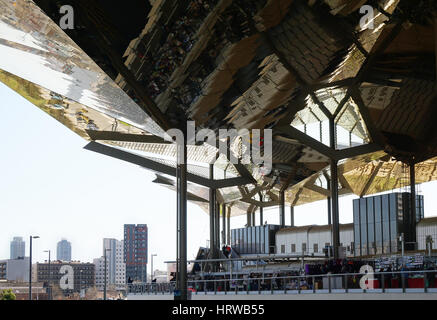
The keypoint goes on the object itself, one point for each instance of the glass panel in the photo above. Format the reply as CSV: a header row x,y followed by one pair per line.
x,y
363,227
393,206
385,223
254,241
378,223
357,233
371,225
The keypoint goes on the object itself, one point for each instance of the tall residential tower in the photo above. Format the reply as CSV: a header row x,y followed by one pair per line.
x,y
135,252
63,250
17,248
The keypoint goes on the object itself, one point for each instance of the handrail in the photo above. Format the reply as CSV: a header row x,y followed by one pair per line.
x,y
234,284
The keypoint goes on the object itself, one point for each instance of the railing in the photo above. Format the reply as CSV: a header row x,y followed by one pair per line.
x,y
396,281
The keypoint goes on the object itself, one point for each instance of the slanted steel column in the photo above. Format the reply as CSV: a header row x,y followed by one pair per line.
x,y
334,192
282,208
228,225
261,212
291,216
223,224
412,233
182,218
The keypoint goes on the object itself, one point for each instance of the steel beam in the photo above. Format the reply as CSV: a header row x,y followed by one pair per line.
x,y
242,170
230,182
356,151
162,168
371,178
128,137
307,140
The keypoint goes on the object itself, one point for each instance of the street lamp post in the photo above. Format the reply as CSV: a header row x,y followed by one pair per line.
x,y
49,278
152,273
30,266
104,287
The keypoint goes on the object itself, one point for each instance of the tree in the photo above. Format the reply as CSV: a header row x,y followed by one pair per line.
x,y
7,294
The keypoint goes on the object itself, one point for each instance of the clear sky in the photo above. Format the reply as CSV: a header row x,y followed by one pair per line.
x,y
51,187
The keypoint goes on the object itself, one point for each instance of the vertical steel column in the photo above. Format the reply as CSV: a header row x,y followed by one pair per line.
x,y
261,210
334,192
224,224
291,216
177,226
282,208
217,230
212,203
412,233
228,225
249,218
253,217
182,218
328,200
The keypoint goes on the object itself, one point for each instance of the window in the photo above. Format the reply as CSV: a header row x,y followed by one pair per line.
x,y
304,247
293,247
316,247
282,248
327,244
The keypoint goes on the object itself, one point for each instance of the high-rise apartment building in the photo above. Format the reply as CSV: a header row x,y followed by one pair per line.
x,y
63,250
135,252
18,248
115,262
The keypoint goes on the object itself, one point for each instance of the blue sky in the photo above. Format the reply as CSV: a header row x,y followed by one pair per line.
x,y
50,186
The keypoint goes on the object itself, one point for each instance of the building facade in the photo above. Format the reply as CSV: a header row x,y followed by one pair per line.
x,y
115,262
15,269
254,240
18,248
380,220
135,252
82,276
99,264
63,250
313,239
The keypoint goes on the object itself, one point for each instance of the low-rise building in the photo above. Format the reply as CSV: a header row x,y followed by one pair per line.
x,y
81,275
15,269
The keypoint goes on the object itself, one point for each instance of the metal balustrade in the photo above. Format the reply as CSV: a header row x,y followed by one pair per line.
x,y
394,281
